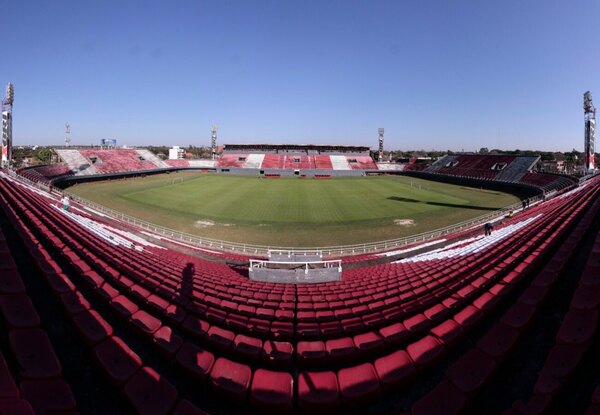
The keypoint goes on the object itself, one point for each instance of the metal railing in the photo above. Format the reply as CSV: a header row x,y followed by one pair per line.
x,y
327,251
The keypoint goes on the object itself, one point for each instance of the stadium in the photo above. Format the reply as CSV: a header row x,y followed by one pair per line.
x,y
108,281
300,258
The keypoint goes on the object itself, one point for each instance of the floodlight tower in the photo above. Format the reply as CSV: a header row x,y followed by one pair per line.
x,y
7,104
589,116
67,135
380,130
213,143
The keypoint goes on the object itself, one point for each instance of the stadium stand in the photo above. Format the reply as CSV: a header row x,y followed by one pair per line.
x,y
548,182
340,345
46,173
297,157
254,161
499,168
151,157
515,170
76,162
115,161
361,162
232,160
178,163
340,163
271,161
202,163
323,163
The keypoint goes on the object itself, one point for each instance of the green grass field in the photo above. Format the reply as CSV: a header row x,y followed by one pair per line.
x,y
292,211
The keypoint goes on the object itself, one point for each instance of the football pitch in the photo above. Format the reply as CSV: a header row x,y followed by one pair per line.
x,y
294,212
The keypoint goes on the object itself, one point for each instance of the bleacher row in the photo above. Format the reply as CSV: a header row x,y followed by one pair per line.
x,y
296,161
45,174
286,347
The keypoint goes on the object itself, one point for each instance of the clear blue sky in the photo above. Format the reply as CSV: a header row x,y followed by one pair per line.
x,y
436,74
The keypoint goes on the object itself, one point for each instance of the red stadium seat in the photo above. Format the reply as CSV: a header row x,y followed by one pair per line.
x,y
48,396
318,391
150,393
277,353
578,327
144,322
471,371
117,359
18,311
34,353
425,351
340,350
92,326
231,378
195,360
395,369
167,341
498,341
358,384
247,347
311,352
74,303
272,391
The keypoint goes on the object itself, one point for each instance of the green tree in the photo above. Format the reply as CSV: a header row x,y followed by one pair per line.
x,y
44,155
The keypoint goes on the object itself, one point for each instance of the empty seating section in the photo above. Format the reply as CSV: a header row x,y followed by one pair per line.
x,y
479,167
232,160
45,174
272,161
116,161
500,168
340,162
577,329
178,163
278,346
151,157
297,161
323,162
515,170
361,162
548,182
76,161
254,161
33,382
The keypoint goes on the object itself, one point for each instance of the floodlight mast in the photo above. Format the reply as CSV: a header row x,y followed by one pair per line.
x,y
67,135
380,155
213,143
589,116
7,104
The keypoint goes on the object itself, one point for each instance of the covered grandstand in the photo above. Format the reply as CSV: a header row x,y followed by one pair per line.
x,y
305,158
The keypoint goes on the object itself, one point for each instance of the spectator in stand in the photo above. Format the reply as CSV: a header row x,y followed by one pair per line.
x,y
527,203
488,227
524,204
66,202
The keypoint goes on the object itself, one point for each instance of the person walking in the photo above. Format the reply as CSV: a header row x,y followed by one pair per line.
x,y
66,202
488,227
